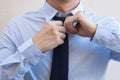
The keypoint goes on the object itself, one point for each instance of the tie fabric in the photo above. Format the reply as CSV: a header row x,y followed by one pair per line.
x,y
59,70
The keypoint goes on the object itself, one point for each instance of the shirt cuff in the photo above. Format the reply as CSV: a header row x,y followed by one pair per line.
x,y
101,35
31,52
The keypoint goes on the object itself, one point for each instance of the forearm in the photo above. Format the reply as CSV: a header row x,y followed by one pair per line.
x,y
17,64
108,35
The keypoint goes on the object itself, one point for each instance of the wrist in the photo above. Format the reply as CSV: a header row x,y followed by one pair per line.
x,y
37,43
93,31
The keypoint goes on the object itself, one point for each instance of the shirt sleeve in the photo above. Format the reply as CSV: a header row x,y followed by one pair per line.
x,y
108,35
16,61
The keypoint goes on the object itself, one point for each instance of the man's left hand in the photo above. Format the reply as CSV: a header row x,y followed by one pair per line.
x,y
84,27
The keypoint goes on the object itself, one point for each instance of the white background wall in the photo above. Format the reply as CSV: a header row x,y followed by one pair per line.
x,y
11,8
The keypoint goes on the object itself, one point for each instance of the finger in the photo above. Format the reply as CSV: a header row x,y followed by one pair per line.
x,y
76,20
58,23
79,13
61,29
61,41
69,24
60,38
62,35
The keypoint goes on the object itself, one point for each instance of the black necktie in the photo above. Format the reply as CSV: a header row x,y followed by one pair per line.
x,y
59,70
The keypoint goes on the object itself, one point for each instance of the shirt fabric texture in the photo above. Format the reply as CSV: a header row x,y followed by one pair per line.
x,y
20,59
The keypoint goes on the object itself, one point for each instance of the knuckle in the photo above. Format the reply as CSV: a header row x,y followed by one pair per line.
x,y
68,20
68,17
61,41
48,23
55,35
64,35
61,22
52,28
63,29
57,40
79,12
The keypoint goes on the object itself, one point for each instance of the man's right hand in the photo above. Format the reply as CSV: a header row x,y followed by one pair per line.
x,y
50,36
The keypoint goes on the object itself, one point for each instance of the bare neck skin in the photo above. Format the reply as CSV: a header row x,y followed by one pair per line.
x,y
64,5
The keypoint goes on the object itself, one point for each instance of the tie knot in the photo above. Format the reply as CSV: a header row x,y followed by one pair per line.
x,y
61,17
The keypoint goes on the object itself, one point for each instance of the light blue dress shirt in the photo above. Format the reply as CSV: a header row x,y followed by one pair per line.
x,y
20,59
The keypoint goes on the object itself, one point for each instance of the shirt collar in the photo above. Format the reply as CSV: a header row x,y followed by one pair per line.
x,y
50,12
